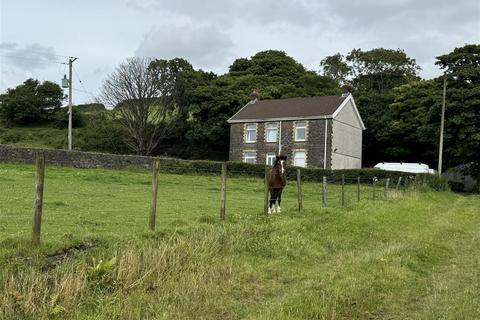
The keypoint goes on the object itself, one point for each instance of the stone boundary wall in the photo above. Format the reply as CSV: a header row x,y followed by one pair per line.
x,y
90,160
77,159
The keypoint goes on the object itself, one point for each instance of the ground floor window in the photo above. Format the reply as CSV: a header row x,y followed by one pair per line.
x,y
250,157
300,158
270,158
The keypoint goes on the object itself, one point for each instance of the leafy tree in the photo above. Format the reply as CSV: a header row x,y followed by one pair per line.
x,y
30,102
177,79
374,74
336,68
273,73
414,125
462,114
381,69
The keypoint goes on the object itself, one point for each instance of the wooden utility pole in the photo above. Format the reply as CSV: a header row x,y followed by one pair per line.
x,y
153,205
442,124
223,191
70,111
38,200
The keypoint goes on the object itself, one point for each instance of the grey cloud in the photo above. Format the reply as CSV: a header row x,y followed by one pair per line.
x,y
203,46
28,57
252,12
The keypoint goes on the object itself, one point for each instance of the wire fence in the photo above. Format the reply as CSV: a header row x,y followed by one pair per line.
x,y
219,194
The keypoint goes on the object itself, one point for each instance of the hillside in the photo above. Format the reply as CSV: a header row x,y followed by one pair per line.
x,y
414,256
94,132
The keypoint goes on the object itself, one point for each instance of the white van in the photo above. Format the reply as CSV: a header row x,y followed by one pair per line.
x,y
405,167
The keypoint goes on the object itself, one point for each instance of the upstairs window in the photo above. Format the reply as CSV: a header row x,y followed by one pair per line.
x,y
271,131
251,133
300,159
250,157
270,158
300,131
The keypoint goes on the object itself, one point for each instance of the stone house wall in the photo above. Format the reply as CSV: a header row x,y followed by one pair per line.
x,y
314,144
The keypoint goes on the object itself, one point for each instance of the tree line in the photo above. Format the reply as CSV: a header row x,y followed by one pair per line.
x,y
168,107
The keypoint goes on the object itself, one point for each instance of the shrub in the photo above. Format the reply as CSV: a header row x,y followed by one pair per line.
x,y
178,166
30,102
59,119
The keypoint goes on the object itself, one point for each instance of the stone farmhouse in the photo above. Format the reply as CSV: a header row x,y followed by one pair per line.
x,y
314,132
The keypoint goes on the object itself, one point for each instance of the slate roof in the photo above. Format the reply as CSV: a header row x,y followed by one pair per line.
x,y
292,108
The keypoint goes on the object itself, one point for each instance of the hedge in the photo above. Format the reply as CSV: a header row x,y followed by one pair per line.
x,y
170,165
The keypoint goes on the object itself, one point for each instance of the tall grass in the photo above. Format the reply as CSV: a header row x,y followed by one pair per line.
x,y
412,257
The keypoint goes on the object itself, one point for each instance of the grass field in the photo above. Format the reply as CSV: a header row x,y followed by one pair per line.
x,y
416,256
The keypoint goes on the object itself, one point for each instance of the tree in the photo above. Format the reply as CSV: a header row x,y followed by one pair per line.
x,y
381,69
335,67
414,124
374,74
30,102
142,106
462,114
273,73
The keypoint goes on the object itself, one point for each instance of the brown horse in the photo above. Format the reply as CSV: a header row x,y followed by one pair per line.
x,y
276,183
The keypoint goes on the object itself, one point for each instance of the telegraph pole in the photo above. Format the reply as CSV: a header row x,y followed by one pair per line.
x,y
70,66
442,124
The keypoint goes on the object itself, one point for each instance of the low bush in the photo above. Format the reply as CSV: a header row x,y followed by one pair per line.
x,y
178,166
59,119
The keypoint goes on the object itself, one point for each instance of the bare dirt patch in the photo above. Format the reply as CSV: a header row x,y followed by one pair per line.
x,y
58,257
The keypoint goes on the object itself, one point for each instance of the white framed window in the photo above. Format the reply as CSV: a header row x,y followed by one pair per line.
x,y
271,131
249,157
270,158
250,133
300,158
300,131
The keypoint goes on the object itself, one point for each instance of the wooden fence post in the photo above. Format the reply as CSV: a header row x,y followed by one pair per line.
x,y
324,193
223,191
267,191
385,192
398,183
38,200
153,204
299,187
358,188
343,190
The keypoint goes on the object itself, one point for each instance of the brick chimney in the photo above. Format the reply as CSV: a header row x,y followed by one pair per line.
x,y
346,88
254,96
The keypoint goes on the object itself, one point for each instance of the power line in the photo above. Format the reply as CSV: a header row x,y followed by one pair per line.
x,y
32,59
81,83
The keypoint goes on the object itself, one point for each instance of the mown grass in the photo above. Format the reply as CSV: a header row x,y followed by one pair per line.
x,y
416,256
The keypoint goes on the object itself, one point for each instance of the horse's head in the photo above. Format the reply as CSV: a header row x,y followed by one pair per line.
x,y
281,161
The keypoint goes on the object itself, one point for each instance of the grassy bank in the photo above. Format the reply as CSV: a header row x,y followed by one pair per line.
x,y
415,256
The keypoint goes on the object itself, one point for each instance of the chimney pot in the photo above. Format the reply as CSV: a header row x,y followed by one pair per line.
x,y
254,96
346,88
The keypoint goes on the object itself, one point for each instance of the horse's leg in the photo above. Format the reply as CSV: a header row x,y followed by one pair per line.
x,y
273,200
279,199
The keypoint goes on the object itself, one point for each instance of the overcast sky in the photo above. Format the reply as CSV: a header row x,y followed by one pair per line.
x,y
35,35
